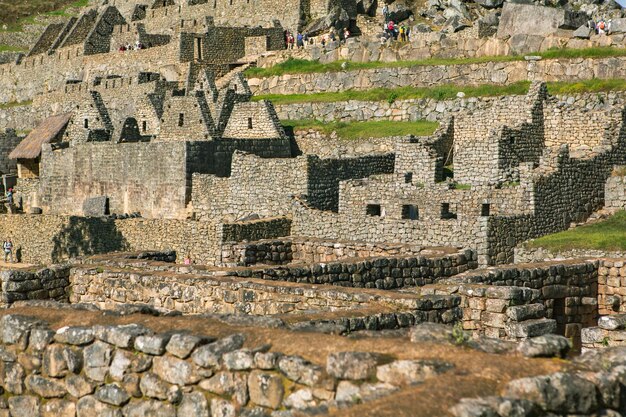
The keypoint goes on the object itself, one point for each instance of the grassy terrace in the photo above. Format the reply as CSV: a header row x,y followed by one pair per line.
x,y
9,48
300,66
609,235
356,130
445,92
16,13
4,106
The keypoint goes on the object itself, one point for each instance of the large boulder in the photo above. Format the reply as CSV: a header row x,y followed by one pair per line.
x,y
526,19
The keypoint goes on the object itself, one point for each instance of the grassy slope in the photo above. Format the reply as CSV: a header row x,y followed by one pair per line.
x,y
295,66
609,235
15,13
445,92
356,130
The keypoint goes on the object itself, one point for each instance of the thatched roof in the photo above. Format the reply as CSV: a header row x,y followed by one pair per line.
x,y
30,147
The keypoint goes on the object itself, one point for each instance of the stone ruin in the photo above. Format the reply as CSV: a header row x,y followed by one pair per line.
x,y
154,194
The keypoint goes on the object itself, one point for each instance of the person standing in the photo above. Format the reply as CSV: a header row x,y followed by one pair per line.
x,y
8,250
386,12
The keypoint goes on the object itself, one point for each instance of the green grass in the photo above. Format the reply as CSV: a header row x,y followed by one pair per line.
x,y
442,92
298,66
17,13
462,186
446,92
9,48
609,235
357,130
4,106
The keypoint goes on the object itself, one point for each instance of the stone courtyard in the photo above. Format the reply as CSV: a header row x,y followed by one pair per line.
x,y
183,248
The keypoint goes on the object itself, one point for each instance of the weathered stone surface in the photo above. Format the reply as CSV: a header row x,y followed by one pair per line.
x,y
112,394
301,399
266,360
152,386
194,404
97,359
90,406
549,345
266,389
613,322
78,386
74,335
430,332
352,365
304,372
531,328
222,408
560,393
96,206
175,371
152,344
238,360
403,372
15,329
150,408
45,387
13,376
182,344
228,383
24,406
58,408
209,355
122,336
40,339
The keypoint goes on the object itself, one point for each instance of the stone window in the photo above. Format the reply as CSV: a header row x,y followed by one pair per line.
x,y
86,123
249,122
410,212
446,211
144,126
181,119
408,177
485,210
373,210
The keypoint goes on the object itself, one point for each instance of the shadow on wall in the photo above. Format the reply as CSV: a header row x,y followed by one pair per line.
x,y
87,236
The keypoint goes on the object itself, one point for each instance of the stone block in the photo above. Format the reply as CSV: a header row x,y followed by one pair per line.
x,y
530,328
266,389
96,206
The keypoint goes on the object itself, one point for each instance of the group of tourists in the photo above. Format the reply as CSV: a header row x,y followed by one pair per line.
x,y
392,30
129,47
302,39
601,27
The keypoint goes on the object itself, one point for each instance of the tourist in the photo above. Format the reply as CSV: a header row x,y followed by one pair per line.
x,y
601,27
402,33
300,40
10,196
386,12
8,250
346,34
323,41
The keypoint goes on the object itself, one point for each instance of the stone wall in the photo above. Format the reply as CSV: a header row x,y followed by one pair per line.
x,y
48,238
527,300
9,139
114,369
615,189
376,272
266,186
500,73
252,230
148,178
193,294
50,283
286,250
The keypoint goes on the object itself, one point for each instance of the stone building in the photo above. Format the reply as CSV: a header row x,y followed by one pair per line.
x,y
142,157
516,176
